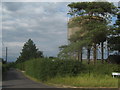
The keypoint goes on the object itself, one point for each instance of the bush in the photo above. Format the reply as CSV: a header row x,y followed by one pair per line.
x,y
114,59
70,67
45,68
20,66
5,67
102,69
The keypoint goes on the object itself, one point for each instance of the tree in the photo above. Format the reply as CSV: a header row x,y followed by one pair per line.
x,y
29,51
93,17
114,37
2,60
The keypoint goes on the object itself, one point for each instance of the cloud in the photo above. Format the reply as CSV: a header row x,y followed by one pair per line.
x,y
57,0
0,30
14,44
44,23
12,6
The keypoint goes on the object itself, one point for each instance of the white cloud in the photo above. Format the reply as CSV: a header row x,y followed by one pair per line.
x,y
44,23
57,0
14,44
8,28
0,31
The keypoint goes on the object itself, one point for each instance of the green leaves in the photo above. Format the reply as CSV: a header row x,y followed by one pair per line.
x,y
29,51
44,68
89,24
114,39
92,8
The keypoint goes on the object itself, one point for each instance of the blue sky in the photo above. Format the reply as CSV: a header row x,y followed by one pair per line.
x,y
44,22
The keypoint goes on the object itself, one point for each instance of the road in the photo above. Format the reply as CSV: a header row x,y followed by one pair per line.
x,y
16,79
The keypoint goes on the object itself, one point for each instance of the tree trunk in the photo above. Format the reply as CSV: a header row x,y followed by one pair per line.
x,y
80,55
88,55
94,53
102,52
108,55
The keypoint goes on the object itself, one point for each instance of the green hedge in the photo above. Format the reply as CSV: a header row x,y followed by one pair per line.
x,y
20,66
7,66
102,69
45,68
4,68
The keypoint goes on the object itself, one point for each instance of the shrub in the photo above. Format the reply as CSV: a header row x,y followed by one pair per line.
x,y
114,59
47,68
20,66
102,69
5,67
44,68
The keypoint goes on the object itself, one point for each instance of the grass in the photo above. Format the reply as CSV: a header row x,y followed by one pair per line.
x,y
31,78
85,81
71,73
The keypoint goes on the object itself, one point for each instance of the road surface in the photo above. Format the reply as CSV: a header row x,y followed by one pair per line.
x,y
16,79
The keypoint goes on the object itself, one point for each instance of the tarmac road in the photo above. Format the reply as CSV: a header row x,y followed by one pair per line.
x,y
16,79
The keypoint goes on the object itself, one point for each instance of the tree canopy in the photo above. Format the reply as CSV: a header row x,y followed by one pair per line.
x,y
92,19
114,39
29,51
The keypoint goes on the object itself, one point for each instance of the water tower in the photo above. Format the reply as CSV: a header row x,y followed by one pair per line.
x,y
72,30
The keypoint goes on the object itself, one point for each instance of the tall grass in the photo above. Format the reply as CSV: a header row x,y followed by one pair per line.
x,y
85,80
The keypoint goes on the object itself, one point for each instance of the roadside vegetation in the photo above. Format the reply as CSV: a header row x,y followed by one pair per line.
x,y
84,80
92,20
70,72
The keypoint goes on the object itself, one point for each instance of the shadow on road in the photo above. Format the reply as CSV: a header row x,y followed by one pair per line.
x,y
11,75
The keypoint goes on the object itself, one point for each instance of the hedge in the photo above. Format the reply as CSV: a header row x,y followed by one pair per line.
x,y
44,68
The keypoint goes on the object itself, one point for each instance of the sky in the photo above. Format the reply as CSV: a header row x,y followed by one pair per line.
x,y
57,0
0,31
44,22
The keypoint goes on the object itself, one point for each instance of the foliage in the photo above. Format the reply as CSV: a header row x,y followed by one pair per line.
x,y
92,19
98,75
29,51
114,38
44,68
7,66
92,8
85,80
102,69
114,59
20,65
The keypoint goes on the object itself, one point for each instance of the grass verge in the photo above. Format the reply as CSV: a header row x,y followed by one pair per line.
x,y
80,81
85,81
